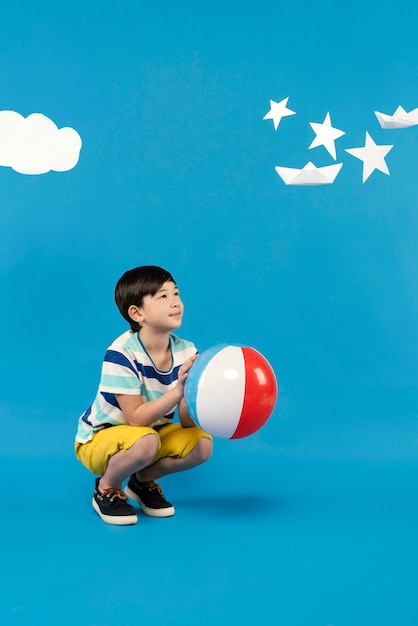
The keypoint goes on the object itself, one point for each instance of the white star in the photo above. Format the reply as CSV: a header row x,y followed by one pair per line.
x,y
326,135
277,111
373,157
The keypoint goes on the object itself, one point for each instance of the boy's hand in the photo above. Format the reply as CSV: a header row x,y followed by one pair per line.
x,y
183,372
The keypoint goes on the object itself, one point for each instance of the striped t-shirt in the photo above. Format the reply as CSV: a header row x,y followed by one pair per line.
x,y
128,369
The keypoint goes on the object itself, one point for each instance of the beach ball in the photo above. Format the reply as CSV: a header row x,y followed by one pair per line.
x,y
230,391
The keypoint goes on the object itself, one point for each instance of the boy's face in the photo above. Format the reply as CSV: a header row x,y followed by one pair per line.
x,y
161,312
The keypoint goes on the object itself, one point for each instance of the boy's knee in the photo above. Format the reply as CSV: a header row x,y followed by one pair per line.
x,y
203,450
147,446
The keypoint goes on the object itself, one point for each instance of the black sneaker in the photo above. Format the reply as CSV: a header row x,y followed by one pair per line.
x,y
112,506
149,496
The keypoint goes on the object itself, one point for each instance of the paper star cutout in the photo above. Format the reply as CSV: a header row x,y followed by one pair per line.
x,y
277,111
373,157
326,135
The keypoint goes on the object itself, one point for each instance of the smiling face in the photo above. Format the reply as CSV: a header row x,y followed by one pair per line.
x,y
161,312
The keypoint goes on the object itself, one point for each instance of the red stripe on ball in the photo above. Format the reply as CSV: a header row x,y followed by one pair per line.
x,y
260,394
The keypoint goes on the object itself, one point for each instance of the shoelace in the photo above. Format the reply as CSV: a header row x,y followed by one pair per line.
x,y
153,485
112,493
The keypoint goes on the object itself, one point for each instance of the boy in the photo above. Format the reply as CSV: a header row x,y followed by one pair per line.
x,y
128,432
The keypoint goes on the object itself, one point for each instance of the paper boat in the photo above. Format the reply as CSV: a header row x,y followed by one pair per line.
x,y
400,119
309,175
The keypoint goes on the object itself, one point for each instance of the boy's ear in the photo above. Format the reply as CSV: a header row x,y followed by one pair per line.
x,y
135,313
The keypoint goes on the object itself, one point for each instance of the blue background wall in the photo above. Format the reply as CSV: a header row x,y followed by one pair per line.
x,y
177,169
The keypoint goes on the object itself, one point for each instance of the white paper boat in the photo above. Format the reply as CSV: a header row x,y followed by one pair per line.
x,y
400,118
309,175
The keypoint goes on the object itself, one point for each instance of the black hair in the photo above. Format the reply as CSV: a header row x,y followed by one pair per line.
x,y
141,281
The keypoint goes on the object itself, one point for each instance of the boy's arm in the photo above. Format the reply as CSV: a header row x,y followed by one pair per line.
x,y
185,419
140,413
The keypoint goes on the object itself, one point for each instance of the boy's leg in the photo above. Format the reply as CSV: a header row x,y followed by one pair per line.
x,y
181,449
199,454
114,454
122,464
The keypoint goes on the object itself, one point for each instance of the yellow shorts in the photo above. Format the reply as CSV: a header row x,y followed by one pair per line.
x,y
175,441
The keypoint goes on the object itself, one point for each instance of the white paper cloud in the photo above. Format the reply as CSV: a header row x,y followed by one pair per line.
x,y
35,145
